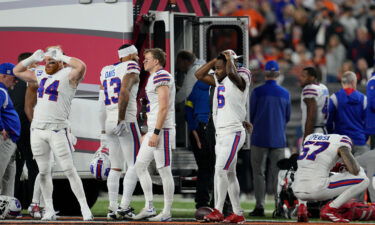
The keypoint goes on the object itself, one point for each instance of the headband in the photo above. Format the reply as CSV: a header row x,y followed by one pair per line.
x,y
127,51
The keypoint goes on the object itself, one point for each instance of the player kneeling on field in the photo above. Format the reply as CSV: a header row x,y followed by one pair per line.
x,y
313,181
10,207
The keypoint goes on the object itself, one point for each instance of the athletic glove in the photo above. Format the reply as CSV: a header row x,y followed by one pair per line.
x,y
57,55
121,128
37,56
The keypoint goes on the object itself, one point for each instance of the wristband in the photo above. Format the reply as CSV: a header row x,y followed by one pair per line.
x,y
156,131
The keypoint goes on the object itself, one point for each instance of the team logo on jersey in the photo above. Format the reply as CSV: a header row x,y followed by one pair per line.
x,y
39,72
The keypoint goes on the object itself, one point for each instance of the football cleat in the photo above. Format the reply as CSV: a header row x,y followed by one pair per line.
x,y
332,214
145,213
214,216
234,218
161,218
127,213
86,214
111,215
49,216
302,214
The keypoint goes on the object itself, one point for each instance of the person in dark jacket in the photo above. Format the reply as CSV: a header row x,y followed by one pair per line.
x,y
370,110
347,112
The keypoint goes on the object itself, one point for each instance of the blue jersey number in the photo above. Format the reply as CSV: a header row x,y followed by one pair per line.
x,y
51,90
306,148
220,97
116,82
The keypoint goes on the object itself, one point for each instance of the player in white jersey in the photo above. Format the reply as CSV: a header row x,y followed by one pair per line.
x,y
314,103
118,97
160,138
49,128
314,107
313,182
229,112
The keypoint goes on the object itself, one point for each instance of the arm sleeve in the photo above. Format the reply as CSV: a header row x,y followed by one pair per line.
x,y
331,116
189,112
252,106
162,79
309,92
2,101
133,67
102,113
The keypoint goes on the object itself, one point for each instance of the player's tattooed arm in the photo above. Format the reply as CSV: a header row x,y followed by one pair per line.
x,y
232,72
202,73
311,108
349,160
30,99
126,85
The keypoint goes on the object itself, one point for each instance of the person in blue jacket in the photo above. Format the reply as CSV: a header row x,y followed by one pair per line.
x,y
10,128
347,113
370,110
197,110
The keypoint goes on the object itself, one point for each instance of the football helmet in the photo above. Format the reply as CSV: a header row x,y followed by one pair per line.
x,y
100,164
10,207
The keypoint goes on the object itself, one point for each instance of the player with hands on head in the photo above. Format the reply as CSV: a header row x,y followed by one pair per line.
x,y
313,182
229,112
160,138
50,125
119,87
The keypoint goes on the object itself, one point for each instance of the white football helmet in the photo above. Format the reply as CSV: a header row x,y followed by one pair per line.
x,y
100,164
10,207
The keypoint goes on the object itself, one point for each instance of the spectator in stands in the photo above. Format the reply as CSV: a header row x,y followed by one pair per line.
x,y
362,47
335,56
362,71
370,111
269,114
346,66
23,153
347,111
370,22
350,24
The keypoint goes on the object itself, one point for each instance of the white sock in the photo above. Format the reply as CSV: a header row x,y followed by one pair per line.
x,y
77,187
222,188
234,193
130,181
46,187
49,205
113,183
146,182
168,188
37,193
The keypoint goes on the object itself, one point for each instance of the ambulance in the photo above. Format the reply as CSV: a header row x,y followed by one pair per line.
x,y
92,30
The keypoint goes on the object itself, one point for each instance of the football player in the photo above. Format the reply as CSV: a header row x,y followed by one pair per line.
x,y
314,106
160,138
49,127
312,180
229,112
118,97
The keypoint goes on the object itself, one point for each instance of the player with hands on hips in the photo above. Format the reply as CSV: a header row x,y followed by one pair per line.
x,y
229,112
50,125
119,87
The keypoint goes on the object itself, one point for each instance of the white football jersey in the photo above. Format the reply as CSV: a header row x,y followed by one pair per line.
x,y
54,98
321,94
319,155
111,78
157,79
230,103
